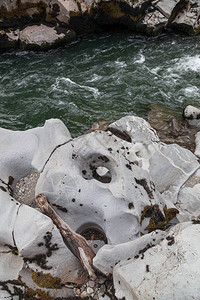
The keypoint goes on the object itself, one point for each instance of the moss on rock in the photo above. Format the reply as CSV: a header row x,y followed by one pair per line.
x,y
46,280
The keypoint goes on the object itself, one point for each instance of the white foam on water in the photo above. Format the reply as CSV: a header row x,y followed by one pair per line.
x,y
191,91
155,71
60,102
141,59
120,64
95,78
27,80
185,64
69,82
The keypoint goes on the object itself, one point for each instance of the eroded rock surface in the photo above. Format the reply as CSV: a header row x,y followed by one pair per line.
x,y
111,186
169,270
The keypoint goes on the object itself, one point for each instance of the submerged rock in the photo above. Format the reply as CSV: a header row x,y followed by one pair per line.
x,y
172,128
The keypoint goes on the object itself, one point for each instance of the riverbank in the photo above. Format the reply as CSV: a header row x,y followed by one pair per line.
x,y
42,25
89,180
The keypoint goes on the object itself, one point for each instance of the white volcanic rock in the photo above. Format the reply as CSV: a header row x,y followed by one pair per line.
x,y
136,168
122,181
9,5
11,291
188,202
31,234
169,166
24,152
110,255
169,270
72,182
13,36
10,264
35,238
197,142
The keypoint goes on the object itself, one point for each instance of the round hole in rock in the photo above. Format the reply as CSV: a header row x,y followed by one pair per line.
x,y
102,174
99,173
94,235
97,167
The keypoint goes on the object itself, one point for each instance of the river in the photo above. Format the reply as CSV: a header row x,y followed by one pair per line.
x,y
101,77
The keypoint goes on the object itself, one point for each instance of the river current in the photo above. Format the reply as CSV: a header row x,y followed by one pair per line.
x,y
102,77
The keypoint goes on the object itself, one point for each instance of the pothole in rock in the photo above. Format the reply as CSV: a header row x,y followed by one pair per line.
x,y
97,167
94,235
24,191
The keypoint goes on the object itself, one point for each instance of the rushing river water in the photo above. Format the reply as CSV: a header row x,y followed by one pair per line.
x,y
101,77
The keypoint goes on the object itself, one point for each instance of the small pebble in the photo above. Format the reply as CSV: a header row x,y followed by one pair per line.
x,y
82,289
84,294
90,290
78,292
91,283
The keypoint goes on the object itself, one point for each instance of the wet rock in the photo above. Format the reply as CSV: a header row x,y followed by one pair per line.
x,y
169,8
175,125
165,271
9,39
188,19
153,22
43,37
191,112
98,125
145,16
171,128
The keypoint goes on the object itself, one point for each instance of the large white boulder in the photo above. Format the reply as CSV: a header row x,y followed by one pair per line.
x,y
23,152
26,231
123,182
169,270
120,178
126,152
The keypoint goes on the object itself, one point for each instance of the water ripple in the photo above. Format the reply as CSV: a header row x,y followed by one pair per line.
x,y
102,77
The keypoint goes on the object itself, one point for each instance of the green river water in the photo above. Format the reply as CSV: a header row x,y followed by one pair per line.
x,y
100,77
